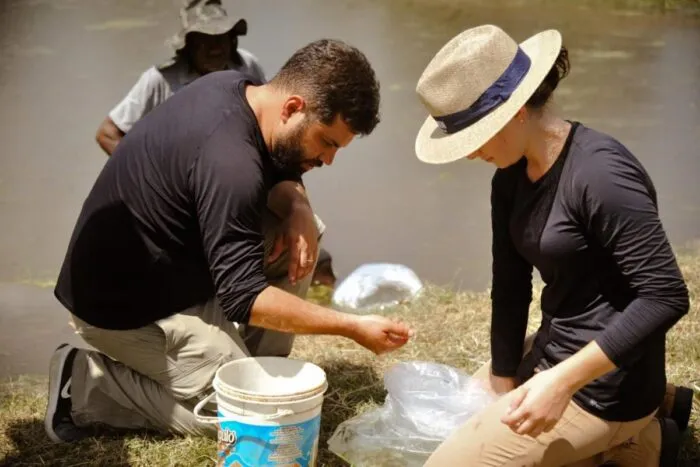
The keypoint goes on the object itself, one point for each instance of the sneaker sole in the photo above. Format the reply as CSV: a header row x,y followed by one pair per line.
x,y
58,361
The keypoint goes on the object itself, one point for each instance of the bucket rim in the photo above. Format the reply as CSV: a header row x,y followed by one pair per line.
x,y
265,399
261,397
229,414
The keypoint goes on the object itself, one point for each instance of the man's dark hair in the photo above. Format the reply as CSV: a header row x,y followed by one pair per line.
x,y
335,79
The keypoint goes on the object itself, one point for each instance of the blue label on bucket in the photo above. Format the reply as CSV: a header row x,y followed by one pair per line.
x,y
243,445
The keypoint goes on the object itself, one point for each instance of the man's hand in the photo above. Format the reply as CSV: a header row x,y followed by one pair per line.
x,y
379,334
538,404
281,311
300,236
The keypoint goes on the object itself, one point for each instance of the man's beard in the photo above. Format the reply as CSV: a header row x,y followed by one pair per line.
x,y
288,156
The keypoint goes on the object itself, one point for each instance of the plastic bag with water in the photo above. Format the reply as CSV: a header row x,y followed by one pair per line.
x,y
424,404
377,286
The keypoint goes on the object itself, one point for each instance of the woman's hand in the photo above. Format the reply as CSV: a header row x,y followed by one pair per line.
x,y
538,404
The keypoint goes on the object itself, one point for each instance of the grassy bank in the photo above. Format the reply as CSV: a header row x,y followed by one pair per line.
x,y
641,6
451,328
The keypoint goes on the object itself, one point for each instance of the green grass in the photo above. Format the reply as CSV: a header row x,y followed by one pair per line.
x,y
451,328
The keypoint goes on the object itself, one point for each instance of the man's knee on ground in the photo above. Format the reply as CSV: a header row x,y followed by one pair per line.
x,y
277,270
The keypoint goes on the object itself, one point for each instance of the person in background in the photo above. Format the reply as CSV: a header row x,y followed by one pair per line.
x,y
207,42
589,388
173,268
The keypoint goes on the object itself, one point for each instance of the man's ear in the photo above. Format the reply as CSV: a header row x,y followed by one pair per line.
x,y
292,105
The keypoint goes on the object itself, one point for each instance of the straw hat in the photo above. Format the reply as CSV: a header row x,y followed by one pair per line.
x,y
475,84
208,17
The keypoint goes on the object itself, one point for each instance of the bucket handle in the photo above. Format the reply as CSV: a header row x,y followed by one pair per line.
x,y
198,409
214,420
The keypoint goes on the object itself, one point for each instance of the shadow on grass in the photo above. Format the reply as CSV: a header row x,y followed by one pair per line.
x,y
351,387
690,448
31,447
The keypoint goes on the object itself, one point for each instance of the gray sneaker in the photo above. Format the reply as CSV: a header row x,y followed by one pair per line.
x,y
58,422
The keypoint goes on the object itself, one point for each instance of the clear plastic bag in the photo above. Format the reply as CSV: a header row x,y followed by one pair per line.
x,y
377,286
425,403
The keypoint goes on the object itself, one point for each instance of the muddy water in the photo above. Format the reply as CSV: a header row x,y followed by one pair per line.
x,y
65,63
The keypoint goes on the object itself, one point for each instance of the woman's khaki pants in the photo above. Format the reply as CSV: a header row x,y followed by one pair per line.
x,y
579,439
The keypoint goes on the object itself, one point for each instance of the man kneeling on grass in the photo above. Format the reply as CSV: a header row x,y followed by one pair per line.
x,y
197,244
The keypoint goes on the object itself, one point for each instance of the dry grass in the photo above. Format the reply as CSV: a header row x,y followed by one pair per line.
x,y
451,328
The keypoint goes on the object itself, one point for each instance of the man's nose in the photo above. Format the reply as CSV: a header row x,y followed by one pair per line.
x,y
329,156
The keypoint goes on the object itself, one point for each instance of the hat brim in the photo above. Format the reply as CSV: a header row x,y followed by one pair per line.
x,y
434,146
216,27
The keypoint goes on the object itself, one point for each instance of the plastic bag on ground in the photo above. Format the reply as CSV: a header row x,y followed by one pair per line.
x,y
377,285
425,403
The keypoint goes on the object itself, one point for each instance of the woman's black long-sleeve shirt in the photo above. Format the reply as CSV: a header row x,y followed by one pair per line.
x,y
591,227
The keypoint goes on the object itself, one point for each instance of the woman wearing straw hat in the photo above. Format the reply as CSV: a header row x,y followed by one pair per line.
x,y
590,386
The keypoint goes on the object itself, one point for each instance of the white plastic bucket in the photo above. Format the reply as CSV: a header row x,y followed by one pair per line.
x,y
269,412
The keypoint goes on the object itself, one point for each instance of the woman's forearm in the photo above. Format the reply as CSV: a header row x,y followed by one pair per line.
x,y
586,365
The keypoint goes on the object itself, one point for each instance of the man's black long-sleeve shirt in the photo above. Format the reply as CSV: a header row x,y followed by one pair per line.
x,y
174,218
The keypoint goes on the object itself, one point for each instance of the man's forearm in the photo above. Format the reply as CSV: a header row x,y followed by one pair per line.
x,y
285,196
281,311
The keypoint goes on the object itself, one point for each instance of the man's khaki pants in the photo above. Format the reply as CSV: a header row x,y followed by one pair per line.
x,y
579,439
151,377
